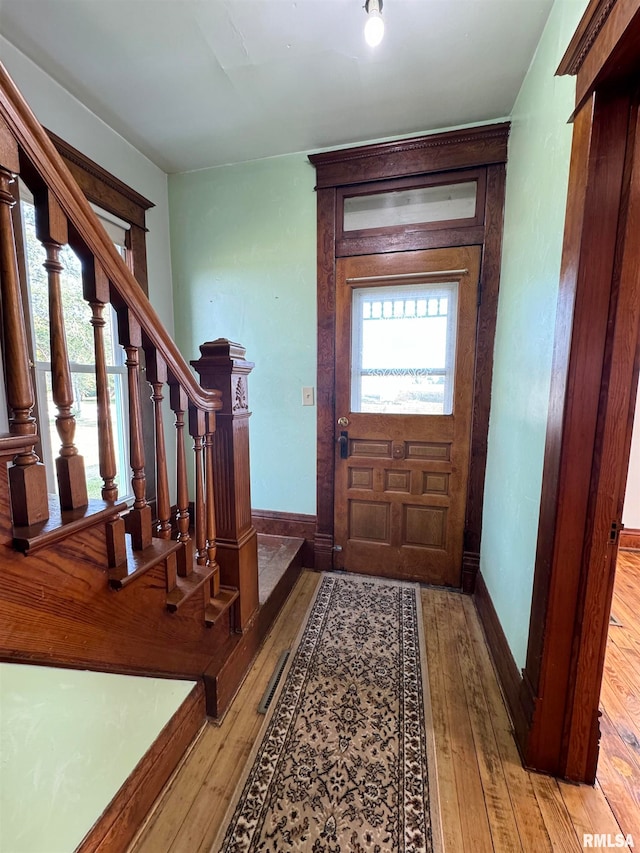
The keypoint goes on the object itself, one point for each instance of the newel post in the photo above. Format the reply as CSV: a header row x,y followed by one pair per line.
x,y
223,366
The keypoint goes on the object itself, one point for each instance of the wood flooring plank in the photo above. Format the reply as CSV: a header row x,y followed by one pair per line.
x,y
476,834
448,795
176,810
488,801
626,636
588,809
630,655
185,789
616,776
502,823
170,813
531,828
621,701
185,817
207,813
619,758
563,834
210,806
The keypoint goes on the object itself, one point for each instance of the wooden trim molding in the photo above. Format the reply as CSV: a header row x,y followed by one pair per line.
x,y
436,152
630,539
326,298
123,816
113,195
470,569
508,674
93,176
480,150
276,523
588,30
486,326
604,48
297,525
572,431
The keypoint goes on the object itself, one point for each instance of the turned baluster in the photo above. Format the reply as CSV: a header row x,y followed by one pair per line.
x,y
185,555
51,230
157,377
95,288
106,449
197,430
210,503
27,475
138,519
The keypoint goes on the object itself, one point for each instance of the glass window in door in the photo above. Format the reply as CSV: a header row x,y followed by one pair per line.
x,y
403,348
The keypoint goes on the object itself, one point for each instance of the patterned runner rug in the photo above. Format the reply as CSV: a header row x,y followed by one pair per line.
x,y
346,762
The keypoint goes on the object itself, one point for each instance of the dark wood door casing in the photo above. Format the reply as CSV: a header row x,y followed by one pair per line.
x,y
592,400
480,152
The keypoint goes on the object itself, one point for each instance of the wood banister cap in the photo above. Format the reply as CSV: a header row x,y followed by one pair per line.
x,y
222,353
223,347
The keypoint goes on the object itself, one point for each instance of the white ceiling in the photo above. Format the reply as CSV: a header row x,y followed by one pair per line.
x,y
198,83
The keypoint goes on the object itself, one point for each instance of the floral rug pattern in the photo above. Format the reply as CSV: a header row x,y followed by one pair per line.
x,y
342,765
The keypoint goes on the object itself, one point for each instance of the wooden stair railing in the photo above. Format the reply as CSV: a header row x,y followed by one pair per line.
x,y
27,475
64,216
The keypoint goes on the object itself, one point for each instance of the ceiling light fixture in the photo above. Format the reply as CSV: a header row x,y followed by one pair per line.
x,y
374,28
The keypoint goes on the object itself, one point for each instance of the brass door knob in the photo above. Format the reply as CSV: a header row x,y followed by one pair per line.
x,y
343,422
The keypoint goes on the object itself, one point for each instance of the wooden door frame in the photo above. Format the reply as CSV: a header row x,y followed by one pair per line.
x,y
482,148
573,579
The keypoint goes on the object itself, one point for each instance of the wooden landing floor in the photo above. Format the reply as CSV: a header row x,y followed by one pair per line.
x,y
619,761
488,802
275,555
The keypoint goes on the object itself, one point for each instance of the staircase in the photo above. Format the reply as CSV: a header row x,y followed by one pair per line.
x,y
156,584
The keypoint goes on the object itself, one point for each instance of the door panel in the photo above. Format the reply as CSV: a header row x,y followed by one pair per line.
x,y
405,344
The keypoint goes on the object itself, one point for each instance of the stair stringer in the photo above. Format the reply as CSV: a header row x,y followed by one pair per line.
x,y
57,608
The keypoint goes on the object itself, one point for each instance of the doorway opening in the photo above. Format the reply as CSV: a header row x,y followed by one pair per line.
x,y
594,384
383,203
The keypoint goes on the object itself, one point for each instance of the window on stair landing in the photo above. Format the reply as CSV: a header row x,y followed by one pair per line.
x,y
80,347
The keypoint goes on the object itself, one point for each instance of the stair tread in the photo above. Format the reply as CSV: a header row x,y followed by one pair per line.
x,y
139,562
62,523
186,586
220,604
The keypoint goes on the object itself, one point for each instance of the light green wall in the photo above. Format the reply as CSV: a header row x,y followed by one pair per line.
x,y
61,112
537,174
69,739
243,246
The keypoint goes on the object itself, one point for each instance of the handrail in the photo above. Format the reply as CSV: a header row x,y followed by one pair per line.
x,y
40,150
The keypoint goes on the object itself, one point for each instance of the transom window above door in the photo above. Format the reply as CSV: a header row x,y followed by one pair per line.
x,y
399,206
411,206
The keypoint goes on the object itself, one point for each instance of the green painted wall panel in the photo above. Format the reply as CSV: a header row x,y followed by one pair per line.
x,y
537,174
243,246
69,739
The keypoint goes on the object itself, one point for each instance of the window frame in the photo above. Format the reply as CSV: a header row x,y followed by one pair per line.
x,y
477,176
115,367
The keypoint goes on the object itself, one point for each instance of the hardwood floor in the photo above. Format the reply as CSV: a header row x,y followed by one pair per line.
x,y
488,802
619,761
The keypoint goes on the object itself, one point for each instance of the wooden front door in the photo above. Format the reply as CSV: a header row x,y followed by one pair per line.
x,y
405,344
